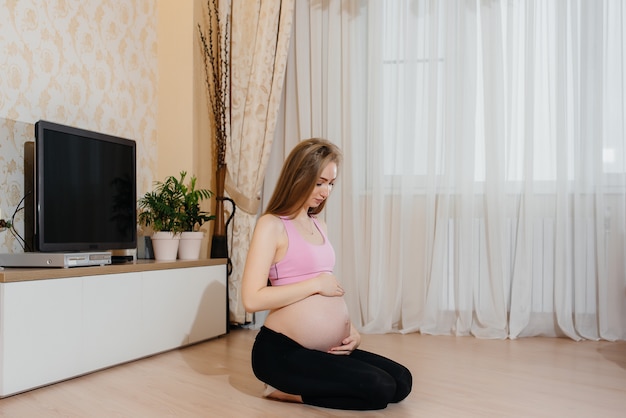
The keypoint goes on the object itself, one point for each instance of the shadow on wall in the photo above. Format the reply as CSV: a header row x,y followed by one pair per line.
x,y
13,136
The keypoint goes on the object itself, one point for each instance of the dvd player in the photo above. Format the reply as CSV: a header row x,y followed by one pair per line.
x,y
61,260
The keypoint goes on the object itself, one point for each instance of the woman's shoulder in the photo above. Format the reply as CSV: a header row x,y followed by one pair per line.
x,y
270,229
270,222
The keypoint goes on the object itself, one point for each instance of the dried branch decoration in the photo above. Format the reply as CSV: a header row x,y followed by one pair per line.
x,y
216,54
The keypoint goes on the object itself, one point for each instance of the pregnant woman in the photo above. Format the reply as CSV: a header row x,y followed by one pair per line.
x,y
307,349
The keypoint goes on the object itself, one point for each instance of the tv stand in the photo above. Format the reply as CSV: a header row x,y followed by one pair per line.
x,y
56,324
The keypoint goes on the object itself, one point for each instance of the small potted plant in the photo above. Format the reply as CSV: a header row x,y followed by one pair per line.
x,y
192,218
161,210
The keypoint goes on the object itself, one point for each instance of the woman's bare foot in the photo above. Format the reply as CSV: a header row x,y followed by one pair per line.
x,y
273,393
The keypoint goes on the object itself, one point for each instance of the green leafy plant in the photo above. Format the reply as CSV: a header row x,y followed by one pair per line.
x,y
162,208
174,206
192,216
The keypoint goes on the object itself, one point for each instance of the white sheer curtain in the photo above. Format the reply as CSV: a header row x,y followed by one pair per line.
x,y
483,188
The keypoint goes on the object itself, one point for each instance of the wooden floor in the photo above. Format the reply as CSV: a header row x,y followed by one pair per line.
x,y
453,377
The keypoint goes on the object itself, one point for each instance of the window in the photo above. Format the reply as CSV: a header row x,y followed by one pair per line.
x,y
561,91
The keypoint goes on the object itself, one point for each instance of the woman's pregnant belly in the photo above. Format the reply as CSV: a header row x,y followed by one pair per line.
x,y
317,322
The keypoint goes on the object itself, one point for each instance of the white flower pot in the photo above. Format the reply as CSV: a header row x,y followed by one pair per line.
x,y
165,245
190,245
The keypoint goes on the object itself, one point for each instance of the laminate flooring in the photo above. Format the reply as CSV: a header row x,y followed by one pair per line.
x,y
453,377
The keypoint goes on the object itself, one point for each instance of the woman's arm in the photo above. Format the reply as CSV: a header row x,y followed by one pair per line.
x,y
269,236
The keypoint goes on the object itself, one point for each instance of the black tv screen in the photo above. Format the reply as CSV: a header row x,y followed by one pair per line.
x,y
85,190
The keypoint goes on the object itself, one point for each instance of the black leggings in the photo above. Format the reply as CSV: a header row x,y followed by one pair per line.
x,y
360,381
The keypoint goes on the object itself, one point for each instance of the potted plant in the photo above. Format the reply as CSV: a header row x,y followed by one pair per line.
x,y
162,211
192,218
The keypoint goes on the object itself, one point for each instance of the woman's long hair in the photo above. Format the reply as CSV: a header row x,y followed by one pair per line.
x,y
301,171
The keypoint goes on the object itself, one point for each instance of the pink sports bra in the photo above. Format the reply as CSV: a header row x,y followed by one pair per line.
x,y
303,260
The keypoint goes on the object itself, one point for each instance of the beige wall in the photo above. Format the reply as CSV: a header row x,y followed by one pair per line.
x,y
183,123
128,68
175,87
125,68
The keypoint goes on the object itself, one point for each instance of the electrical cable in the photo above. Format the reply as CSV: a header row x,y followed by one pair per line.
x,y
229,263
14,231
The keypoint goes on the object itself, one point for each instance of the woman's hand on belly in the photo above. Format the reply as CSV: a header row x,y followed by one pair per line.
x,y
349,344
329,285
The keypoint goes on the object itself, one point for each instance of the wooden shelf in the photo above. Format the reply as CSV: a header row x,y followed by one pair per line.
x,y
8,275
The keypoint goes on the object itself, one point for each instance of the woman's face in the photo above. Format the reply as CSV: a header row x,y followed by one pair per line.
x,y
323,186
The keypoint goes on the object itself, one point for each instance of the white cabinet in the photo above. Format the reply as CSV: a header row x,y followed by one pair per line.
x,y
200,307
112,319
41,327
57,328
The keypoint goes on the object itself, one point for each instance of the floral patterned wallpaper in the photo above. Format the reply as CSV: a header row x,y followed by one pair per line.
x,y
86,63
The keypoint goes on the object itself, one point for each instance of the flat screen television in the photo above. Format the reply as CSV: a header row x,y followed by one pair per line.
x,y
84,190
